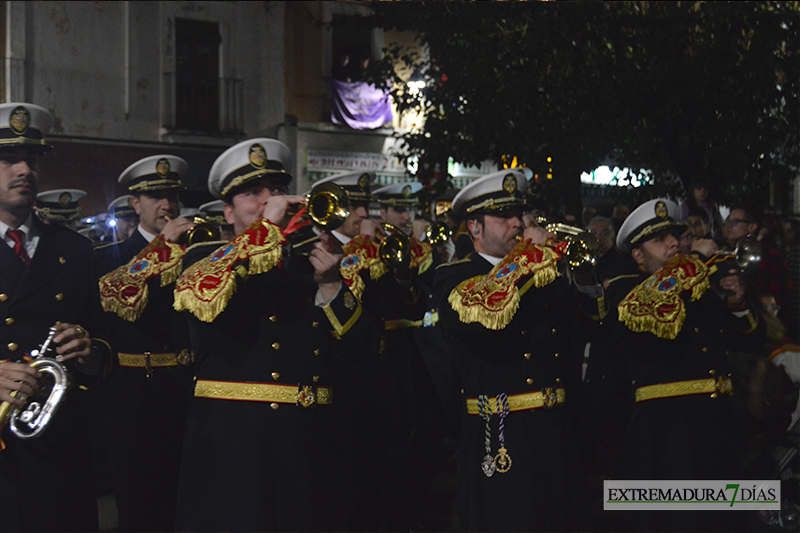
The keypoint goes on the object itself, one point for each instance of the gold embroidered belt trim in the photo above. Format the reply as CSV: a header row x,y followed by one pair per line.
x,y
685,388
258,392
430,319
549,397
140,360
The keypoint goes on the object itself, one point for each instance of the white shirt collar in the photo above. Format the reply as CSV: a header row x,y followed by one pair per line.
x,y
146,234
492,259
341,237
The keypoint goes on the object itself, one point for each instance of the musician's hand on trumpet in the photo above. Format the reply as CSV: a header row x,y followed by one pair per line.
x,y
707,247
278,208
538,235
16,378
175,228
74,343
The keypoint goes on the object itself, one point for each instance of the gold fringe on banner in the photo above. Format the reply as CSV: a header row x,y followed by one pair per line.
x,y
206,287
492,300
124,291
657,304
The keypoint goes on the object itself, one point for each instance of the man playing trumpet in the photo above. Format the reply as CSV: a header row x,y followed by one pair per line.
x,y
147,398
268,328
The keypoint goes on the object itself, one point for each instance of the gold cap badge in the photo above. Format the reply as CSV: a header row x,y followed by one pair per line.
x,y
407,191
19,120
363,181
510,183
65,199
162,167
661,209
258,156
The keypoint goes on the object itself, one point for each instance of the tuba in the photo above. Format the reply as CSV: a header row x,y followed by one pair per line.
x,y
31,419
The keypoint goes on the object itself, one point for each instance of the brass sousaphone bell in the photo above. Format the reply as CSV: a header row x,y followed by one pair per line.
x,y
32,419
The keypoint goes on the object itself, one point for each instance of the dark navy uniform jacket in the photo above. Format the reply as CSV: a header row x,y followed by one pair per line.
x,y
54,470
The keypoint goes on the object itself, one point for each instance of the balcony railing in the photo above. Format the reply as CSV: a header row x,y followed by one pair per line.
x,y
206,108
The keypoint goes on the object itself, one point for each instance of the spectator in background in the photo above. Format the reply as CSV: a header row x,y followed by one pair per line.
x,y
773,275
791,227
619,214
700,196
698,220
686,238
589,213
610,263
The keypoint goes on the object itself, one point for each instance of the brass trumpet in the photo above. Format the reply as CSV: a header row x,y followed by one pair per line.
x,y
203,231
395,248
327,206
437,233
578,245
747,256
32,419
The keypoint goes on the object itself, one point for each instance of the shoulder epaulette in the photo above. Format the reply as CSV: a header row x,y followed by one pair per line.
x,y
205,288
124,291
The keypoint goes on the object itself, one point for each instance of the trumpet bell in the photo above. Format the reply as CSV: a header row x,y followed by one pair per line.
x,y
203,231
748,255
395,248
328,206
438,233
581,252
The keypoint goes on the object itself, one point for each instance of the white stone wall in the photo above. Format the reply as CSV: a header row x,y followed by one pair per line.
x,y
99,66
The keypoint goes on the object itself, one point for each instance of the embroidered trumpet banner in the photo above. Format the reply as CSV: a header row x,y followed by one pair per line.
x,y
493,299
124,291
656,305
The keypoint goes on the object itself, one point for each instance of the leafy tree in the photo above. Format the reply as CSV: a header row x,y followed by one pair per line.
x,y
684,89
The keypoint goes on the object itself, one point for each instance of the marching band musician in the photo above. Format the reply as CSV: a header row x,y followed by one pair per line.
x,y
60,206
410,427
46,483
125,218
506,315
147,398
267,326
154,183
678,321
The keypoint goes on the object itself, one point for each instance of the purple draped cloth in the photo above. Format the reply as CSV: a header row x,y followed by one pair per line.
x,y
362,106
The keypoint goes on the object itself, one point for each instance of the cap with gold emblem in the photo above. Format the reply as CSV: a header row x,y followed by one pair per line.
x,y
249,160
121,207
154,173
355,184
214,212
59,205
498,191
24,125
646,221
398,195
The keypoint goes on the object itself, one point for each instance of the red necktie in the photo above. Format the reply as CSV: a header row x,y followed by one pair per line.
x,y
17,235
